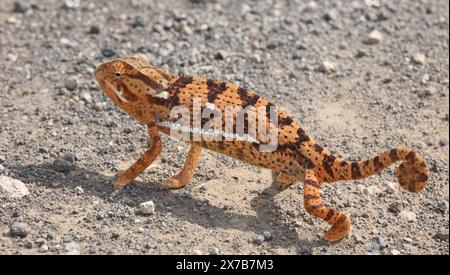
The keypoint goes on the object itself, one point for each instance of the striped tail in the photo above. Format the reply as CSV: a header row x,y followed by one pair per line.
x,y
412,174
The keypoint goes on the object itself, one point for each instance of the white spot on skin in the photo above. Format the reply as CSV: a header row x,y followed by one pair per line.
x,y
210,106
118,93
209,132
163,95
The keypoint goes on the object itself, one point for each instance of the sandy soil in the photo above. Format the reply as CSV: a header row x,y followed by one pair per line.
x,y
373,96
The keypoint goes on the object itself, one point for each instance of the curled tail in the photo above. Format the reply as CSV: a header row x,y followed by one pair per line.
x,y
412,174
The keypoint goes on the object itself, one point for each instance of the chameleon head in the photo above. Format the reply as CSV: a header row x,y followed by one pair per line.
x,y
127,80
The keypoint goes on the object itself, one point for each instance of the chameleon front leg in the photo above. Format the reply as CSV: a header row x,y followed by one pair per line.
x,y
340,222
282,180
185,175
127,176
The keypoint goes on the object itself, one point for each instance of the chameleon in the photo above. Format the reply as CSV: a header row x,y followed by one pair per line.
x,y
148,94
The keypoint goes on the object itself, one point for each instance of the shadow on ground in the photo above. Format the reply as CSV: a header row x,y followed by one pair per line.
x,y
181,203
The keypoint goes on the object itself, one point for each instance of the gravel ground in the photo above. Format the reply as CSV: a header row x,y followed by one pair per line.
x,y
359,76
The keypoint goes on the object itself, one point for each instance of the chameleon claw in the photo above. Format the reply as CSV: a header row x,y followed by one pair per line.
x,y
170,183
120,180
118,186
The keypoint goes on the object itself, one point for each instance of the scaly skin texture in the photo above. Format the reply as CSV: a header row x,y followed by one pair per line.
x,y
134,85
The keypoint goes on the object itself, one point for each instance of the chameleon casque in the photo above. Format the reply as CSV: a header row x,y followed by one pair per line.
x,y
148,94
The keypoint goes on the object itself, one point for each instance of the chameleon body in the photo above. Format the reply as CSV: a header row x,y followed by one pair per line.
x,y
148,94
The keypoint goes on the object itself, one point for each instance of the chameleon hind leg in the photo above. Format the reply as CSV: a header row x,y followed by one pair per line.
x,y
127,176
282,181
340,222
185,175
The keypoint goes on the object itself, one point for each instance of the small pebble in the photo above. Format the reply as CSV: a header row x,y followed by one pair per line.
x,y
358,239
19,229
11,57
408,216
327,67
443,142
28,244
267,235
19,7
65,163
147,208
71,83
310,6
44,248
212,250
221,55
187,30
79,190
443,236
419,58
331,15
12,188
72,248
115,235
94,30
361,53
259,239
40,242
107,52
375,37
85,96
395,207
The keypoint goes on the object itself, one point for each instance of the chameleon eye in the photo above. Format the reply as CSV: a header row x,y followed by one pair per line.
x,y
117,74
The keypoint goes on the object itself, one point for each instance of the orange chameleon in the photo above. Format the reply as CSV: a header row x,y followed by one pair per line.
x,y
148,94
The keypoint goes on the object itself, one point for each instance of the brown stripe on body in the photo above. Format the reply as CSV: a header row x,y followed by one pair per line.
x,y
329,215
393,155
302,137
378,165
126,92
327,164
215,89
410,156
176,87
247,98
285,121
318,148
356,172
311,197
147,81
312,183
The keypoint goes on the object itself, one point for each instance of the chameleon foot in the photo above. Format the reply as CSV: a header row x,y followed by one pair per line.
x,y
171,183
282,181
122,179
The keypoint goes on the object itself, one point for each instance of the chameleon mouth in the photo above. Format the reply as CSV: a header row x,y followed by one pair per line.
x,y
117,92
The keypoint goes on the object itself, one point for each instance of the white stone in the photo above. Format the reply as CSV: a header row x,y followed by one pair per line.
x,y
12,188
72,248
86,97
11,57
375,37
392,187
147,208
311,6
419,58
408,216
327,67
79,190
